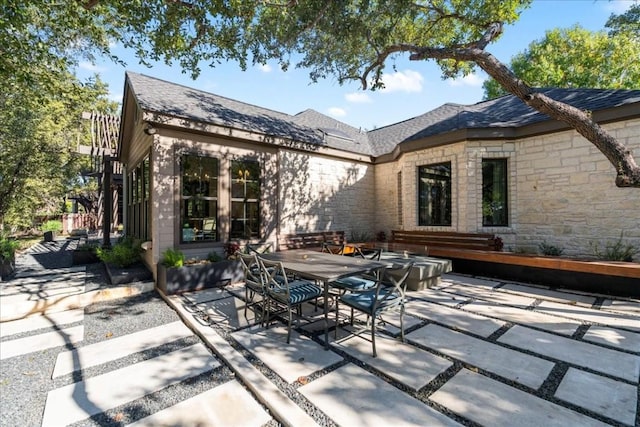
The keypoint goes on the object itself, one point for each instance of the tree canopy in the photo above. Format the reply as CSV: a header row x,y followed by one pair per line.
x,y
356,39
577,58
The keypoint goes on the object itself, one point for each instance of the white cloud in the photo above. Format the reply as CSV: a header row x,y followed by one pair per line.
x,y
91,67
117,97
469,80
358,97
618,7
336,112
402,81
265,68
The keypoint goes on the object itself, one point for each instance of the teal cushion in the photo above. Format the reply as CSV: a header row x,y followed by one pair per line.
x,y
299,291
354,283
364,301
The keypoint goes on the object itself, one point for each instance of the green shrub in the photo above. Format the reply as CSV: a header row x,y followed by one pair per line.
x,y
88,247
173,258
616,251
550,250
8,247
123,254
213,257
52,225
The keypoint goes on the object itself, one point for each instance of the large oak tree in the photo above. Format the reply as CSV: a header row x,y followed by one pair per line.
x,y
353,39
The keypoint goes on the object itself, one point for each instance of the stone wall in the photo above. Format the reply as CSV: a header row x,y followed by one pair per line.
x,y
324,193
561,191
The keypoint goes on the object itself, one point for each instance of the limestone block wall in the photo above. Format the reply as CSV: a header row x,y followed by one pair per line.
x,y
567,196
318,192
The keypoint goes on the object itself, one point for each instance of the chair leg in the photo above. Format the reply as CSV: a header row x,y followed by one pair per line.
x,y
289,328
373,335
402,323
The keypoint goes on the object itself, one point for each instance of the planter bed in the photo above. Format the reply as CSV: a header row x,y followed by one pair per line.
x,y
606,277
138,272
83,257
175,280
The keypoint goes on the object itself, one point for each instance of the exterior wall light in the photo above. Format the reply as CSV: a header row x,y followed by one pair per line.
x,y
150,130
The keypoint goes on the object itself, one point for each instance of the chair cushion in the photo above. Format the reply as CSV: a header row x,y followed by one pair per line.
x,y
299,292
364,301
354,283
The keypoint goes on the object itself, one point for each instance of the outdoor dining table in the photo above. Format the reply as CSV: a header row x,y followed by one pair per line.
x,y
325,268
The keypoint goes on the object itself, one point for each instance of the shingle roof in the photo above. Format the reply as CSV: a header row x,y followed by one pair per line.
x,y
310,126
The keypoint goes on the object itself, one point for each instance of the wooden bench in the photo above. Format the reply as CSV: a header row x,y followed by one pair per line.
x,y
430,242
309,240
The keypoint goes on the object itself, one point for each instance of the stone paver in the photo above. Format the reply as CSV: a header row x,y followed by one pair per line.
x,y
549,294
17,347
526,317
597,316
434,295
487,294
83,399
513,365
607,361
492,403
454,318
228,405
407,364
614,337
38,321
229,312
623,306
353,397
104,351
299,358
206,295
613,399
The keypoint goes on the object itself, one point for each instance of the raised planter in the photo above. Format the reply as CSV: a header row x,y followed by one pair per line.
x,y
7,267
80,257
137,272
175,280
605,277
50,236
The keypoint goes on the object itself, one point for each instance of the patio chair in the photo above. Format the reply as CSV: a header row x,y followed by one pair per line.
x,y
333,248
254,281
259,248
289,293
369,253
360,282
388,294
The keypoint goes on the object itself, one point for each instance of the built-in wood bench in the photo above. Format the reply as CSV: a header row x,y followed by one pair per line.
x,y
312,240
430,242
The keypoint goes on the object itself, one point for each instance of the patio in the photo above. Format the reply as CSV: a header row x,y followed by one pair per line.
x,y
478,351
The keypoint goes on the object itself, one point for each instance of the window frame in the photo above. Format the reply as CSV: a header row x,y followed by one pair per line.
x,y
504,200
424,199
195,229
250,226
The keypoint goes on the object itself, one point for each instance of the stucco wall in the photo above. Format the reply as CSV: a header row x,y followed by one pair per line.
x,y
561,191
323,193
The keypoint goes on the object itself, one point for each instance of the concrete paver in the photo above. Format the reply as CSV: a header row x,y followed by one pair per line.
x,y
407,364
520,367
549,294
456,319
33,323
607,361
104,351
353,397
491,295
597,316
622,306
228,311
619,338
206,295
526,317
492,403
40,342
613,399
300,358
77,401
228,405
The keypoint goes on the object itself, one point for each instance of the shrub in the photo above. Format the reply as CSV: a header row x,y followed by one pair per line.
x,y
550,250
123,254
173,258
230,249
88,247
381,236
617,251
214,257
8,247
51,225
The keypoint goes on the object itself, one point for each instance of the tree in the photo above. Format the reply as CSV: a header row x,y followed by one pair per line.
x,y
628,22
38,138
347,39
575,57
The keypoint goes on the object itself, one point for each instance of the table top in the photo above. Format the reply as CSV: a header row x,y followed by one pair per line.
x,y
322,266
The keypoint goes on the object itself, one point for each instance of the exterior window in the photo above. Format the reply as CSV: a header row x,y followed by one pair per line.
x,y
494,193
199,204
138,224
434,194
399,190
245,197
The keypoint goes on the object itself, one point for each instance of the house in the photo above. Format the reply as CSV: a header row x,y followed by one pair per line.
x,y
202,170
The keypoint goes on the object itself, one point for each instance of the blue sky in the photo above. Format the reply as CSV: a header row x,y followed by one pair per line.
x,y
415,88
